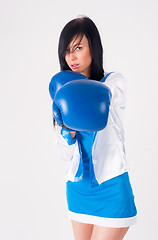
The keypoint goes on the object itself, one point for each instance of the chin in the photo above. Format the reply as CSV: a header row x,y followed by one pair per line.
x,y
76,70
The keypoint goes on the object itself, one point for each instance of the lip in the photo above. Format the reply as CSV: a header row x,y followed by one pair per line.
x,y
74,66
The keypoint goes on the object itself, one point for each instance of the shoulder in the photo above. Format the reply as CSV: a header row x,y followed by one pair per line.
x,y
116,79
115,76
117,84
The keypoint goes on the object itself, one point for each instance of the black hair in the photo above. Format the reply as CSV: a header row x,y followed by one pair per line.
x,y
79,27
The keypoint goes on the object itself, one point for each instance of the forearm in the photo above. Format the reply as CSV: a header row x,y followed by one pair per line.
x,y
65,143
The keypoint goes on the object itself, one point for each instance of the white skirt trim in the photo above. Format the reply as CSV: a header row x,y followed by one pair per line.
x,y
101,221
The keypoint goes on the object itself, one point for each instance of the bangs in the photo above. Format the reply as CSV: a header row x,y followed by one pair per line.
x,y
74,38
72,32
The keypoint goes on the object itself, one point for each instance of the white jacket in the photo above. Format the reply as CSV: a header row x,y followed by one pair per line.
x,y
108,151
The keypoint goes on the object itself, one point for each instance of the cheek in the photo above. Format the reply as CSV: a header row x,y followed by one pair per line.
x,y
88,57
67,58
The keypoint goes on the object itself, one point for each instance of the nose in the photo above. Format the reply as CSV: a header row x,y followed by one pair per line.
x,y
72,56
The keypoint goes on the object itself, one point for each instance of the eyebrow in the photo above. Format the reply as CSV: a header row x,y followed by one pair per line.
x,y
77,44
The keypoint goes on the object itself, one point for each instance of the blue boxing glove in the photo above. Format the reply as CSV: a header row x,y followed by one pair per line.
x,y
57,113
83,105
60,79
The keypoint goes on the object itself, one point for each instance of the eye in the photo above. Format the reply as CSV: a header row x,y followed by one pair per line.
x,y
78,48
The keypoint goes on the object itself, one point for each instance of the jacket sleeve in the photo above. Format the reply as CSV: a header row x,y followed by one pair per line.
x,y
118,87
65,144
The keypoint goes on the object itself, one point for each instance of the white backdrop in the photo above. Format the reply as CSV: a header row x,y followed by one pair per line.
x,y
32,201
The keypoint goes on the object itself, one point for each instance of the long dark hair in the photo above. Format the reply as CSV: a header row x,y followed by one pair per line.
x,y
79,27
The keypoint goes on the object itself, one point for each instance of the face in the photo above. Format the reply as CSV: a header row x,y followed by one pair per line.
x,y
78,56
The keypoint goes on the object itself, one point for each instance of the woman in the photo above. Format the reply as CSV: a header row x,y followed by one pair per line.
x,y
99,195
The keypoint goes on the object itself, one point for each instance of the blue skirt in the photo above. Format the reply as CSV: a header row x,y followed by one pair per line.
x,y
110,204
